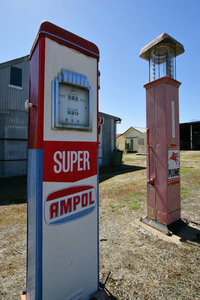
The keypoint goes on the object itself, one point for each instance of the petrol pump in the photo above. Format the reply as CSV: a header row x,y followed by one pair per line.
x,y
162,116
62,250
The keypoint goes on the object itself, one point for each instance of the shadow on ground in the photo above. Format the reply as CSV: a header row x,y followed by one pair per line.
x,y
189,233
109,172
13,190
103,294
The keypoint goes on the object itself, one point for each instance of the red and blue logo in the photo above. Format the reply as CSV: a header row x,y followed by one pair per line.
x,y
69,204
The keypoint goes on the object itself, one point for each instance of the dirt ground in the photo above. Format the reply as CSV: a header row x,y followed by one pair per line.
x,y
136,261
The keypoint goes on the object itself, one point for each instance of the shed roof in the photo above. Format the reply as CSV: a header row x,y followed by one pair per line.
x,y
14,61
110,116
190,123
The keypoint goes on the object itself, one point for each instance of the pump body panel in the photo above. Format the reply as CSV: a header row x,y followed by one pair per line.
x,y
163,155
62,254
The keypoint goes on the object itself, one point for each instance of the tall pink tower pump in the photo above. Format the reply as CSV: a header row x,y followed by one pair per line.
x,y
162,116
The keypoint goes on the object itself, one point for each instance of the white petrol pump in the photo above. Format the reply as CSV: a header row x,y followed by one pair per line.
x,y
62,254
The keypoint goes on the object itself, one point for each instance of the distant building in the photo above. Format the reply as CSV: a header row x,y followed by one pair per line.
x,y
190,136
129,139
14,90
142,143
134,139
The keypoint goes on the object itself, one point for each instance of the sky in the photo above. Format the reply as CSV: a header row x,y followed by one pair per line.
x,y
120,29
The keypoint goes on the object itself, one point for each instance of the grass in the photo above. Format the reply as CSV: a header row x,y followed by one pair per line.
x,y
140,264
143,266
121,205
134,207
187,172
185,192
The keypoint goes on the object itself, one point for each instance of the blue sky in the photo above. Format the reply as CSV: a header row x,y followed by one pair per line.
x,y
120,29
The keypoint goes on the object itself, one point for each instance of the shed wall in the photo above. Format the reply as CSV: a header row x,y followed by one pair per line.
x,y
107,140
190,136
14,124
13,120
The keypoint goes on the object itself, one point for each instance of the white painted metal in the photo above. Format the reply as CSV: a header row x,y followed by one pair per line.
x,y
69,249
82,64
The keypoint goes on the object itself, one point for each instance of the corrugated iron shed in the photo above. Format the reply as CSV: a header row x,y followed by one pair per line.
x,y
14,122
14,90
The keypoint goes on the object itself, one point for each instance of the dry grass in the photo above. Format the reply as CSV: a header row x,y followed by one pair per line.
x,y
140,263
13,237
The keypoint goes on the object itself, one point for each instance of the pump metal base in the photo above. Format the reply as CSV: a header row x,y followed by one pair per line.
x,y
166,229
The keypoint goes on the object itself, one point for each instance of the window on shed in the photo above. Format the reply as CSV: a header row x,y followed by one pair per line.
x,y
16,76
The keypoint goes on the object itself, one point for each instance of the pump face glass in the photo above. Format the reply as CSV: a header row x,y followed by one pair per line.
x,y
73,105
71,102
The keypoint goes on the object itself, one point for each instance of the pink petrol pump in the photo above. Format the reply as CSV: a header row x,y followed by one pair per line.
x,y
62,255
163,141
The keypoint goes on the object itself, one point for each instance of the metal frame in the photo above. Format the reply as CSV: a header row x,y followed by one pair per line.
x,y
68,41
74,79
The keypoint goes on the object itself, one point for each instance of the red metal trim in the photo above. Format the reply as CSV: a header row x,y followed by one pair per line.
x,y
173,146
41,93
36,96
97,104
33,98
67,38
173,181
161,80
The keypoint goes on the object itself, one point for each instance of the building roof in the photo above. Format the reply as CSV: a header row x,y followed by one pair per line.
x,y
190,123
139,129
14,61
110,116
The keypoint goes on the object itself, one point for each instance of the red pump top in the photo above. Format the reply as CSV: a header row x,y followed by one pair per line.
x,y
66,38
